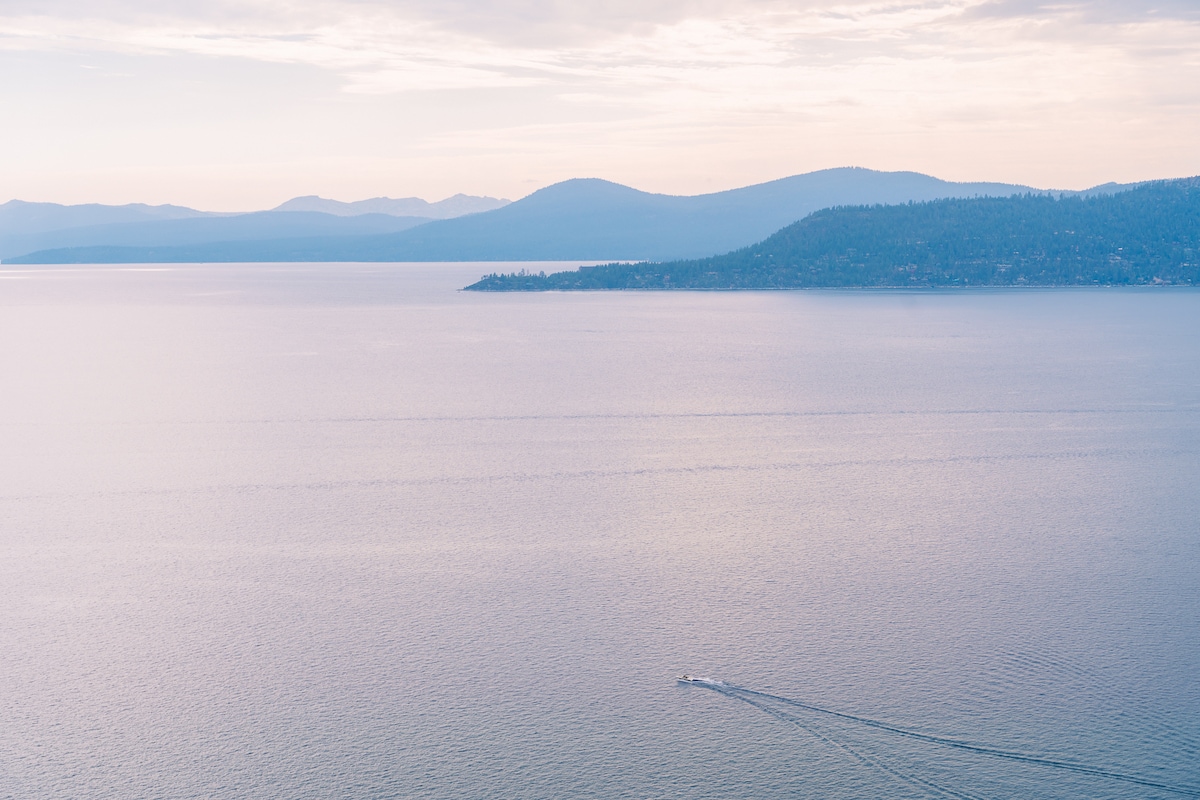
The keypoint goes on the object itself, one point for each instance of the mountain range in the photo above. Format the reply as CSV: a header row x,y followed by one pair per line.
x,y
1149,234
457,206
581,219
30,227
232,230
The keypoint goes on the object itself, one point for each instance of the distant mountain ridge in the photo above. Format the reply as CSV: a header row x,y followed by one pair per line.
x,y
457,206
1149,234
19,216
194,231
589,218
32,227
579,219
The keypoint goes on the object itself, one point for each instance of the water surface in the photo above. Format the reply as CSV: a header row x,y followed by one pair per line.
x,y
314,531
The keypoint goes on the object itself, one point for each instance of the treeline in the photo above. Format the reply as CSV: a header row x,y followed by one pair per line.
x,y
1146,235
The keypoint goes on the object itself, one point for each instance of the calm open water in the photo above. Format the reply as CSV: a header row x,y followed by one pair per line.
x,y
340,531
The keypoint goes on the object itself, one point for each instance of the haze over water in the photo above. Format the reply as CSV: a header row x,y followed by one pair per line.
x,y
312,531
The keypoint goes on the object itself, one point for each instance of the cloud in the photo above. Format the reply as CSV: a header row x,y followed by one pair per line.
x,y
540,23
1095,12
660,78
745,54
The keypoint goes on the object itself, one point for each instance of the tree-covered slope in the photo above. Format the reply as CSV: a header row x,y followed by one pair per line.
x,y
1150,234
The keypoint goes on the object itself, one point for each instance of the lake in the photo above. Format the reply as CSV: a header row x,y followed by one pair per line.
x,y
343,531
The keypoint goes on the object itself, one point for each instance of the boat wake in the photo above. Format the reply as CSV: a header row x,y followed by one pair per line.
x,y
858,754
763,701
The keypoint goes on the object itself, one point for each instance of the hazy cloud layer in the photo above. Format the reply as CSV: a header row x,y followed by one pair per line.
x,y
635,77
420,45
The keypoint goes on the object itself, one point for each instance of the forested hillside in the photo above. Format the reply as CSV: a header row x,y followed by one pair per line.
x,y
1150,234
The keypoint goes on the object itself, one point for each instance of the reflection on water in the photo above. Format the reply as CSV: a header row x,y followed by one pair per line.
x,y
340,530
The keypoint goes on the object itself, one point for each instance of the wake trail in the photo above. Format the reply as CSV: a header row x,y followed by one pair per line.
x,y
1083,769
911,780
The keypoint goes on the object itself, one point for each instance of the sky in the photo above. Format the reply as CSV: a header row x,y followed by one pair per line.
x,y
243,104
